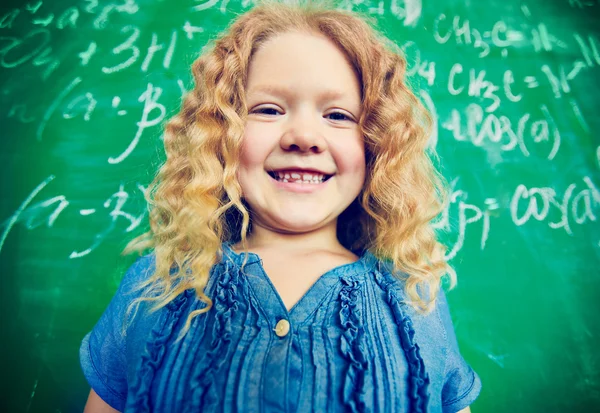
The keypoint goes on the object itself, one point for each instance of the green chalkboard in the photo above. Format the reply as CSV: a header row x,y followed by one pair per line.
x,y
86,86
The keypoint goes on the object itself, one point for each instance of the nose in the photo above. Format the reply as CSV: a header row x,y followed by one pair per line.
x,y
304,134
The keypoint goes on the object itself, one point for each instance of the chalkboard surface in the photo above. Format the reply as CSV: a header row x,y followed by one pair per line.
x,y
86,86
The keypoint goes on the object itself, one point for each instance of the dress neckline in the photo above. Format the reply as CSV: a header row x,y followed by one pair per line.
x,y
366,260
270,299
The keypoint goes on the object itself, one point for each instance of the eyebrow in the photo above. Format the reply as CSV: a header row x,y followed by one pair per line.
x,y
329,94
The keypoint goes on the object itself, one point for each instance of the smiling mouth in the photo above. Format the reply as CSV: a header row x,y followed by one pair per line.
x,y
309,178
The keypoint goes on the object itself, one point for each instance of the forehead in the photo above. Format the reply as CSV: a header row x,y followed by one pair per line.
x,y
296,62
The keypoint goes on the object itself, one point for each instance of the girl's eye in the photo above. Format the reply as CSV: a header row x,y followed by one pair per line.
x,y
266,111
339,116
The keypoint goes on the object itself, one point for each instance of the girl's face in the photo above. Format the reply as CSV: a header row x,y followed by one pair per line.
x,y
304,103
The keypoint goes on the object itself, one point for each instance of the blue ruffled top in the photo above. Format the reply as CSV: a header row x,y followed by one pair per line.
x,y
353,346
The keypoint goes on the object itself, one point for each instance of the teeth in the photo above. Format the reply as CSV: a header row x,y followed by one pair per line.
x,y
306,178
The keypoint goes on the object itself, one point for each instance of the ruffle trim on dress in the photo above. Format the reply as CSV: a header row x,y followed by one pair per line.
x,y
353,346
204,396
418,380
154,353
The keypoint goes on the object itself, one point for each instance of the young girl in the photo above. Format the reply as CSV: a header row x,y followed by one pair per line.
x,y
294,268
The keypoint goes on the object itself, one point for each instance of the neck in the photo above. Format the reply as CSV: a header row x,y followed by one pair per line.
x,y
324,238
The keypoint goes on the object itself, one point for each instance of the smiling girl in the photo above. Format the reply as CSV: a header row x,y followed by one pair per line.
x,y
293,265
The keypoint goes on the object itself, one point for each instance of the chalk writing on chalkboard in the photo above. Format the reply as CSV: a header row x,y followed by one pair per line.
x,y
86,88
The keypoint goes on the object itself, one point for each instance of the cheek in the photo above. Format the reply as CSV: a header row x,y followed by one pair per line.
x,y
351,157
257,144
252,153
361,170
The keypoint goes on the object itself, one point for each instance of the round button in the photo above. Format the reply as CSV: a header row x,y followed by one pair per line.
x,y
282,328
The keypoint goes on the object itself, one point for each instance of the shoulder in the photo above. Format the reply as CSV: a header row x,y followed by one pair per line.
x,y
130,288
125,308
132,284
430,329
142,268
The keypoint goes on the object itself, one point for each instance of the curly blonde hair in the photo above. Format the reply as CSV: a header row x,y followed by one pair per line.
x,y
195,200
